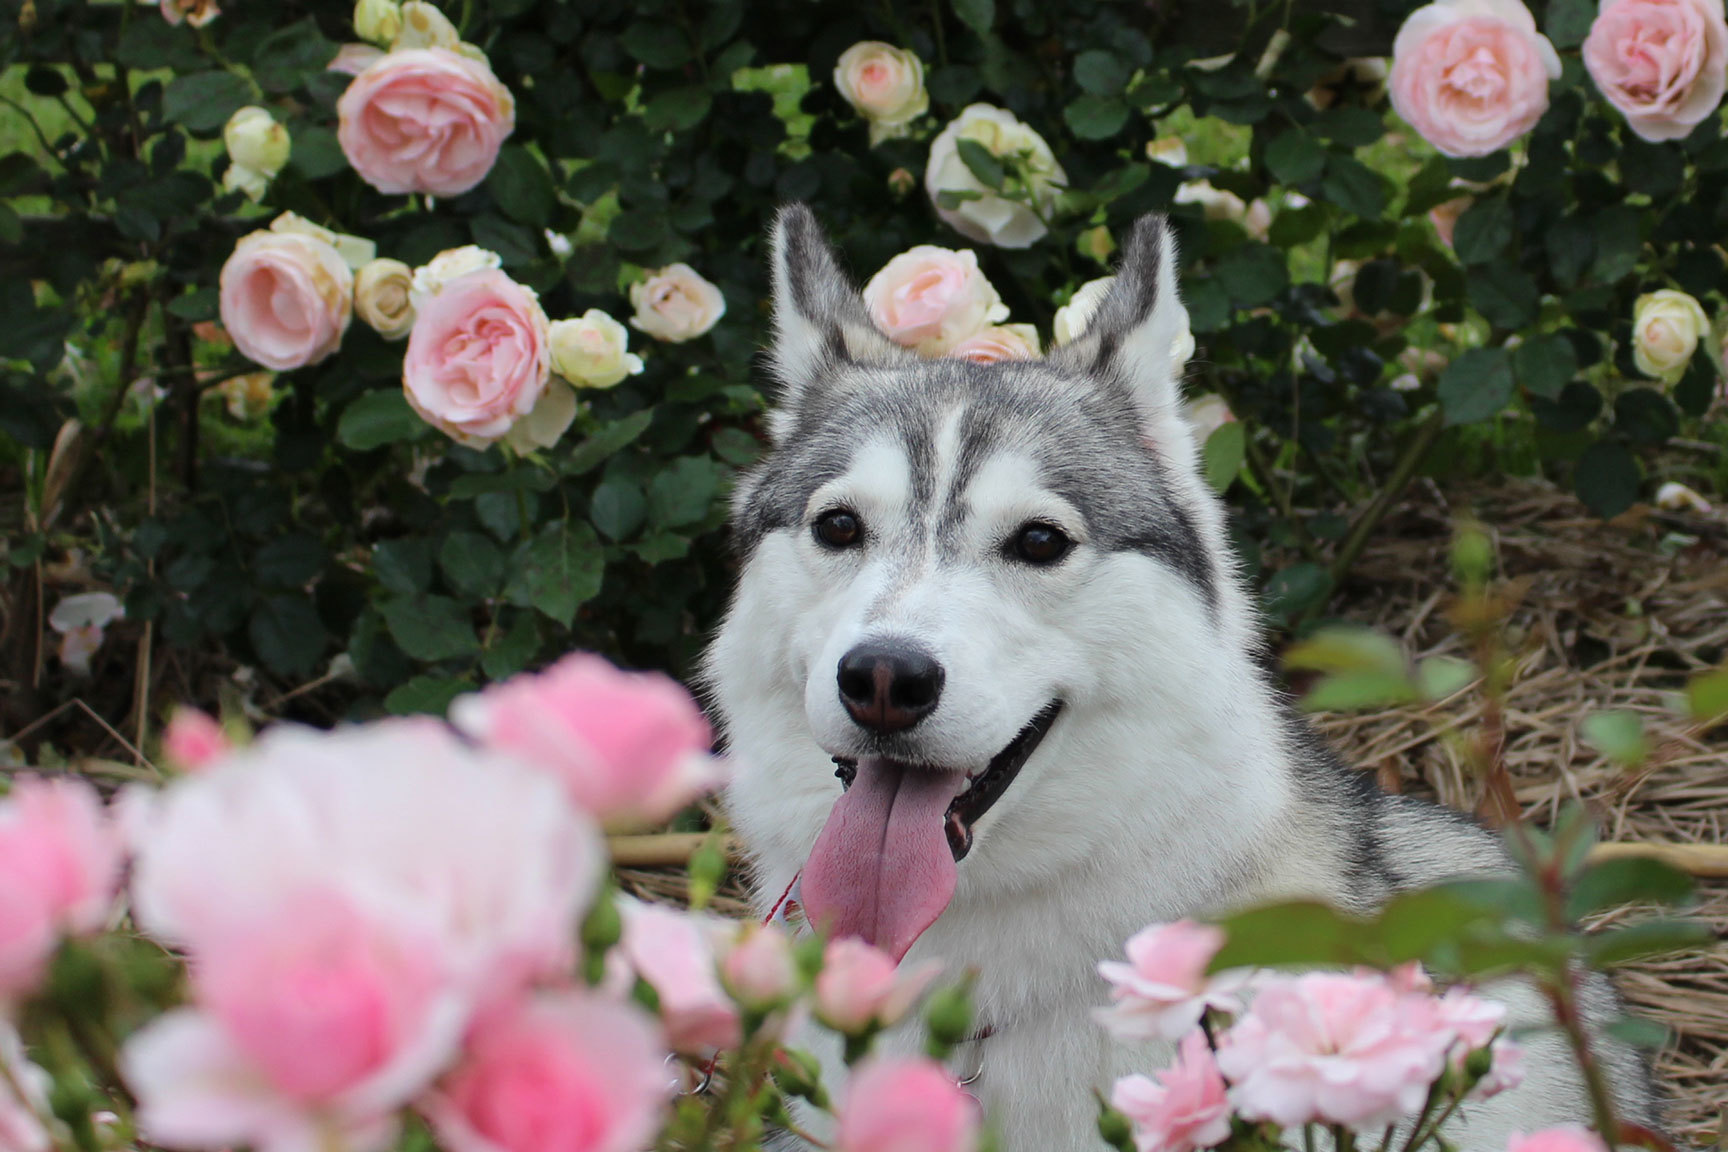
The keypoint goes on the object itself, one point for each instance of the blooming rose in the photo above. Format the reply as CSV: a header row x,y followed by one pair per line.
x,y
477,358
629,746
591,352
1471,76
884,84
257,149
193,740
989,217
425,120
565,1070
1072,317
1163,989
21,1127
905,1105
381,297
860,986
1663,63
378,21
675,304
1567,1138
1003,342
675,953
286,299
932,299
1184,1108
1666,326
81,619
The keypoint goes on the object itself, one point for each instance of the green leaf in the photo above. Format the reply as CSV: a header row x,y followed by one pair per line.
x,y
639,229
1476,386
1618,244
1707,696
378,418
1354,186
1438,677
287,635
1567,22
285,59
203,101
1626,880
978,15
1295,157
515,649
1293,226
1253,274
1101,73
683,492
316,153
472,564
289,561
657,43
1293,591
618,509
430,627
557,571
1638,1032
1298,933
1606,478
606,442
1347,648
982,163
678,109
1223,454
429,695
1644,939
521,186
1350,126
1095,117
1545,364
1618,735
1484,231
403,565
1646,416
1505,296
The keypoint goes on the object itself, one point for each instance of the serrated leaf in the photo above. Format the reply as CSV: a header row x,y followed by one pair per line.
x,y
978,15
1295,157
1626,880
1354,186
1545,365
403,565
982,163
429,695
521,186
1253,274
678,109
203,101
378,418
617,509
430,627
683,492
289,561
1606,478
1618,735
514,649
557,571
1101,73
1092,117
1476,386
607,441
1484,231
472,564
287,635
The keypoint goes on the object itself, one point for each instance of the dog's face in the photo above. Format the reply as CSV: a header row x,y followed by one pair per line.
x,y
944,558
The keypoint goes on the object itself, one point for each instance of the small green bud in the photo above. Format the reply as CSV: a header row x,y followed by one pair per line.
x,y
949,1017
707,869
604,926
1477,1065
1115,1128
1472,555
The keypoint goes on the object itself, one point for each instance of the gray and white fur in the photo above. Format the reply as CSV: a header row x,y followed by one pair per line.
x,y
1176,782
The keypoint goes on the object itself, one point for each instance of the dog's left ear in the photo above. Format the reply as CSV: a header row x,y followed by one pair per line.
x,y
820,322
1132,339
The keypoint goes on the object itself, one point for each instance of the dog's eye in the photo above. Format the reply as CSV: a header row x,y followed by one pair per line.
x,y
1039,543
838,529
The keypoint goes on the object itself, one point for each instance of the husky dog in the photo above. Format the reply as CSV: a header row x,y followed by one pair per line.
x,y
994,691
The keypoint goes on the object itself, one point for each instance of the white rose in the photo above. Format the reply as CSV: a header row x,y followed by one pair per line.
x,y
1676,497
676,304
450,264
931,299
591,352
1003,342
987,217
1666,326
257,149
378,21
382,290
1072,317
546,422
1206,414
423,26
884,84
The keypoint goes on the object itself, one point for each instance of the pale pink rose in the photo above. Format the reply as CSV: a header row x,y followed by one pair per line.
x,y
1183,1108
478,358
932,299
21,1128
1663,63
193,740
1444,217
759,969
561,1072
81,621
1566,1138
1003,342
194,12
860,986
905,1105
628,746
1207,413
1505,1073
884,84
354,59
1334,1048
676,303
675,953
425,120
1471,76
61,859
1163,990
286,298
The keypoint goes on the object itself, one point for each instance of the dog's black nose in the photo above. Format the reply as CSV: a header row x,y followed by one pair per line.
x,y
889,687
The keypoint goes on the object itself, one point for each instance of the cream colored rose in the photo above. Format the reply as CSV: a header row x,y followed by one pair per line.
x,y
1218,204
975,210
930,299
257,149
1003,342
884,84
1072,317
378,21
450,264
546,423
382,298
1666,326
355,251
592,351
1676,497
1168,150
1207,413
248,397
676,304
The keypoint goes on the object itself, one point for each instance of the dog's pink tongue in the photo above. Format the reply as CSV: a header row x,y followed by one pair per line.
x,y
882,868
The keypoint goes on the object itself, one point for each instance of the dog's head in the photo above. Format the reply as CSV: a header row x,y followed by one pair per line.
x,y
957,574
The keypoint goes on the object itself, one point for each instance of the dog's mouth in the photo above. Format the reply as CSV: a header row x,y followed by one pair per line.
x,y
884,866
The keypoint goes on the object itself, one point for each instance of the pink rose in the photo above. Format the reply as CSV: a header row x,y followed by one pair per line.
x,y
675,304
562,1072
61,859
194,12
1663,63
1003,342
1471,76
425,120
193,740
1183,1108
1444,217
932,299
628,746
859,986
478,357
1567,1138
1334,1048
287,298
760,969
674,952
354,59
1163,989
905,1105
21,1127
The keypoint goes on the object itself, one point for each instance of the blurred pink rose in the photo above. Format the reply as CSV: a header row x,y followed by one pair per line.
x,y
860,986
1567,1138
1505,1073
354,59
194,12
425,120
1334,1048
932,299
1471,76
61,858
193,740
1003,342
675,953
1663,63
286,298
759,969
21,1127
628,746
1163,989
676,303
562,1072
1183,1108
478,357
905,1105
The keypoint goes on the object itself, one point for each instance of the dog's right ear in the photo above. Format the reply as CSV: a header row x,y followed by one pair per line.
x,y
820,321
